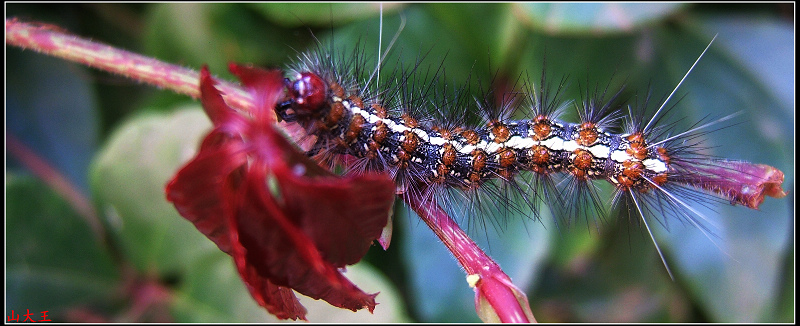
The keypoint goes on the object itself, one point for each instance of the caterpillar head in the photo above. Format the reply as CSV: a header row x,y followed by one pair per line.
x,y
306,98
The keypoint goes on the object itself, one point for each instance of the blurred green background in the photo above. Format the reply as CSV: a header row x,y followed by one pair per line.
x,y
118,142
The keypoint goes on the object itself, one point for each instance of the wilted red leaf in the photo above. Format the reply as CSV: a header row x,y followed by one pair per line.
x,y
288,223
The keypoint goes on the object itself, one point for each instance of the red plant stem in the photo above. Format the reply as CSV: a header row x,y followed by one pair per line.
x,y
471,258
57,182
452,236
52,40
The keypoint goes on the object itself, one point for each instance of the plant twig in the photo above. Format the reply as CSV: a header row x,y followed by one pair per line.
x,y
483,274
53,40
57,182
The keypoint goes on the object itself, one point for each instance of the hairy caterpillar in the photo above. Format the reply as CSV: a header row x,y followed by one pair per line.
x,y
760,153
328,145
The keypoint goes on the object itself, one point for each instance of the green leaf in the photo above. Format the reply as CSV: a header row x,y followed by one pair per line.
x,y
128,179
305,14
581,18
211,291
54,262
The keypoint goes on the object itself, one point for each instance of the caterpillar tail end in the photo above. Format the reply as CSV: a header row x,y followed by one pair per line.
x,y
742,183
770,186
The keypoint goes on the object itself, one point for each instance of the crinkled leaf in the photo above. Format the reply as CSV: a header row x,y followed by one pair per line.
x,y
342,217
197,192
209,288
271,233
264,238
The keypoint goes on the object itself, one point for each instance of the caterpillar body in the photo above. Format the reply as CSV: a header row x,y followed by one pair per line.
x,y
464,158
427,155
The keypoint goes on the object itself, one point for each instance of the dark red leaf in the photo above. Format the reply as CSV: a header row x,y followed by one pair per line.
x,y
266,86
278,300
281,251
288,223
221,114
342,216
196,190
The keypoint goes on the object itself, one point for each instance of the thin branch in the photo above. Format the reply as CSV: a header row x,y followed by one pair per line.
x,y
57,182
507,301
53,40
